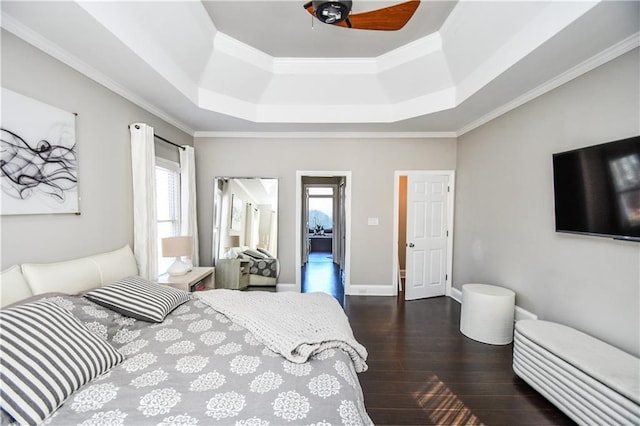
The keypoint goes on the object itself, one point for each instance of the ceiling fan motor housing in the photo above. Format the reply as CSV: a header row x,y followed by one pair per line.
x,y
332,12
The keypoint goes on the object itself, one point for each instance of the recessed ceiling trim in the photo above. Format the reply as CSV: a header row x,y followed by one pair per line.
x,y
357,113
291,104
139,42
410,52
27,34
224,104
243,52
552,19
348,113
325,66
333,66
601,58
356,91
421,72
426,104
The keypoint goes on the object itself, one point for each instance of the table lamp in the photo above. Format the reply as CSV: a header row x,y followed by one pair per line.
x,y
177,247
230,241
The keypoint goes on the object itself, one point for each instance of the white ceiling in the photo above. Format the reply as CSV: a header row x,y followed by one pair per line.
x,y
261,190
234,67
285,28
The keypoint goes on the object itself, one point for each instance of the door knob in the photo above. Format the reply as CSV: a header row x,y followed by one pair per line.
x,y
411,245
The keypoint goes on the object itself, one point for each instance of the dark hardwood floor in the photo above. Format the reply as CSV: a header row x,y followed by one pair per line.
x,y
321,274
423,371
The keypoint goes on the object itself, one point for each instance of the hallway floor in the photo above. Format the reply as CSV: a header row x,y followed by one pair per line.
x,y
321,274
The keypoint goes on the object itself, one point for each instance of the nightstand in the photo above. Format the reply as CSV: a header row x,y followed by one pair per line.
x,y
232,273
196,280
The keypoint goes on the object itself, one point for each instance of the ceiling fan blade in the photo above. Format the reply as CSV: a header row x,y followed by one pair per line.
x,y
390,18
309,7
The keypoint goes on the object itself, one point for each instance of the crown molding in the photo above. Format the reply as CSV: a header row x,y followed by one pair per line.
x,y
13,26
324,135
601,58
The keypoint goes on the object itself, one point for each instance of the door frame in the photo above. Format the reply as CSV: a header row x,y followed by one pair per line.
x,y
335,198
396,221
298,224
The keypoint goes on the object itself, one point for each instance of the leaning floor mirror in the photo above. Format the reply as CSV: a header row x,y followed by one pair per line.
x,y
245,223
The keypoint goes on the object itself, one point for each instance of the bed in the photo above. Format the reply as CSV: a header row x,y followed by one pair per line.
x,y
173,358
264,268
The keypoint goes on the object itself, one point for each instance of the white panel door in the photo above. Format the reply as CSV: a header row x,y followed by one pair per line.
x,y
426,262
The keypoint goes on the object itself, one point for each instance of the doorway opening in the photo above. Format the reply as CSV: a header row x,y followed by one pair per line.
x,y
322,230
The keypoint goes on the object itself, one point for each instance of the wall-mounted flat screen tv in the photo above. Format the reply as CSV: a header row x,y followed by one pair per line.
x,y
597,190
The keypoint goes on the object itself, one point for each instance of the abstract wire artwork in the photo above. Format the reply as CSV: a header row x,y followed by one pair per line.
x,y
38,159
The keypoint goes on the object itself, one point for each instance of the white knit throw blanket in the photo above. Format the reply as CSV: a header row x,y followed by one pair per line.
x,y
295,325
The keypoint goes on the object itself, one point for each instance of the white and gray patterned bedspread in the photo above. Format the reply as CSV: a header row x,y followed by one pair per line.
x,y
263,267
199,368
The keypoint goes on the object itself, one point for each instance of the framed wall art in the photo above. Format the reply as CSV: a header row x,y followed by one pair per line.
x,y
39,164
236,213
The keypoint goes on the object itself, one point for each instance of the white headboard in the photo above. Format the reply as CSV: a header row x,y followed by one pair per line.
x,y
71,276
13,286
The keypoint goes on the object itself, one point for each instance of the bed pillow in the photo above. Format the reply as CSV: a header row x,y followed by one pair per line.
x,y
139,298
266,253
46,354
251,260
254,254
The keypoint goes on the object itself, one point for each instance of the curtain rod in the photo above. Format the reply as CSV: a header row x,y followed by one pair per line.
x,y
169,142
164,140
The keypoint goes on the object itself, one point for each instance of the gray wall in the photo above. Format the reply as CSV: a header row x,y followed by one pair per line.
x,y
372,163
106,220
504,207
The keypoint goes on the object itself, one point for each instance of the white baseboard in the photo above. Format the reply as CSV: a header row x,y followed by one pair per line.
x,y
371,290
285,287
379,290
519,314
456,295
524,314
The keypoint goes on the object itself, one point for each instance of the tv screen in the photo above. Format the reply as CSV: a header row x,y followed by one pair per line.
x,y
597,190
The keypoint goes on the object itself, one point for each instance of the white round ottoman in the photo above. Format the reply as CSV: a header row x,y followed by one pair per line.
x,y
487,313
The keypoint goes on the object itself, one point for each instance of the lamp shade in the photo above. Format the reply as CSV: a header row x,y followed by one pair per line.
x,y
232,241
177,246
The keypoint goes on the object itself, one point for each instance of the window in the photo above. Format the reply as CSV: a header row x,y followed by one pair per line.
x,y
167,206
320,208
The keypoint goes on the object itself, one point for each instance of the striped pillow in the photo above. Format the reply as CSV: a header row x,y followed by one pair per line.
x,y
46,354
138,298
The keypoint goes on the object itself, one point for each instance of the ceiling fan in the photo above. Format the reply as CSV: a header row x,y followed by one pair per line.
x,y
390,18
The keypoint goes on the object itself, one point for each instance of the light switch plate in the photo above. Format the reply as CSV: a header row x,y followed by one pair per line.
x,y
372,221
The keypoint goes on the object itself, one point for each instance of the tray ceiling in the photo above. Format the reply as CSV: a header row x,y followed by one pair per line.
x,y
262,66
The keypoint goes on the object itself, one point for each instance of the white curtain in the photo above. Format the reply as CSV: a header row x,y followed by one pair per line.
x,y
188,198
252,226
273,234
143,167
